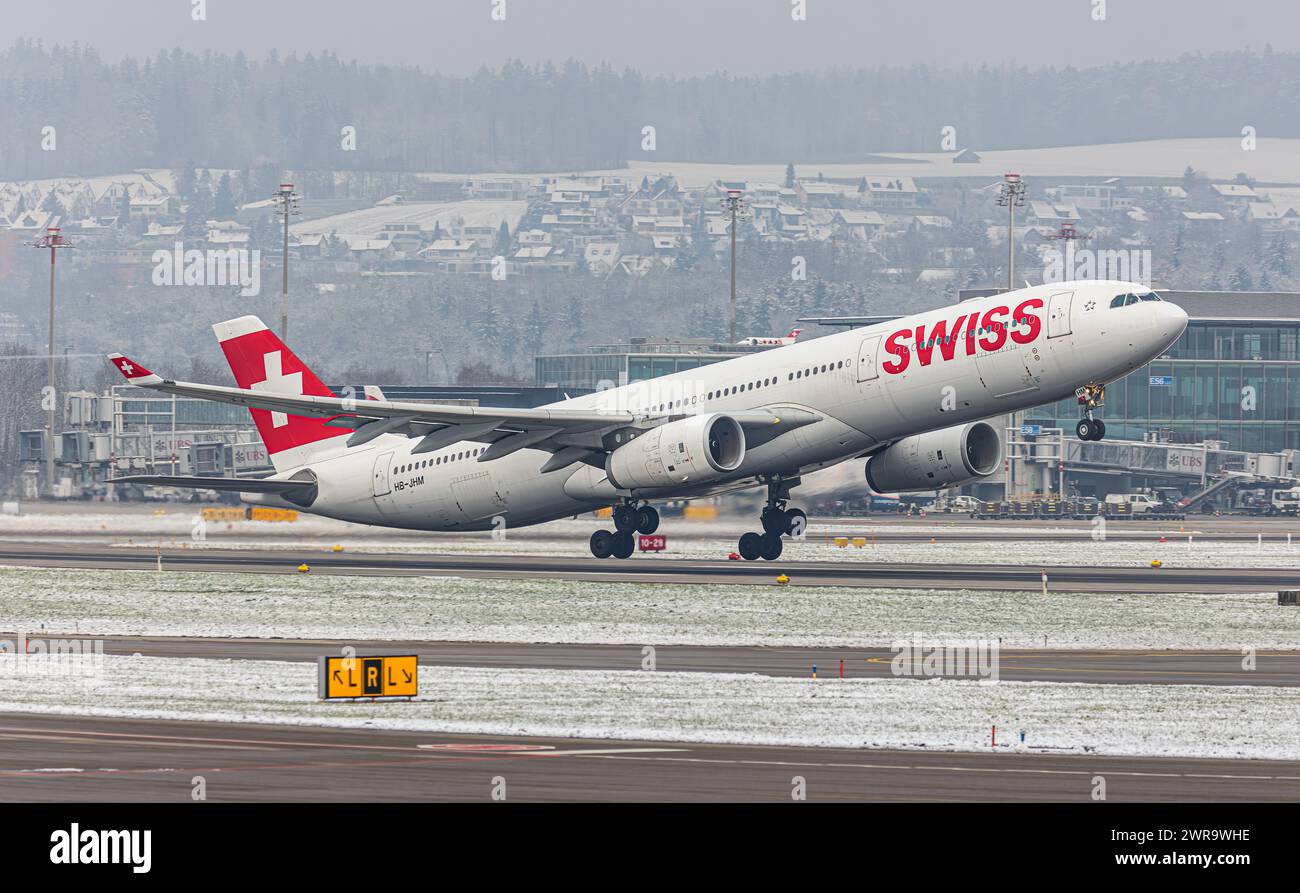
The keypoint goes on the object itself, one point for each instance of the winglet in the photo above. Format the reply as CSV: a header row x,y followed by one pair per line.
x,y
133,371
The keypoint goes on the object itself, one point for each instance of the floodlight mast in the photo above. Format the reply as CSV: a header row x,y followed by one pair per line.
x,y
286,201
53,241
734,204
1011,192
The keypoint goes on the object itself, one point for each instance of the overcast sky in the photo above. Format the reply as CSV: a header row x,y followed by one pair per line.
x,y
673,36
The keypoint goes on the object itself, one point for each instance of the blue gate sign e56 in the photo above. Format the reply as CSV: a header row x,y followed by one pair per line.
x,y
1162,381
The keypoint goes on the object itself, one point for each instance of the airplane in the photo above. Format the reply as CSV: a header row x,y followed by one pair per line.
x,y
908,396
758,341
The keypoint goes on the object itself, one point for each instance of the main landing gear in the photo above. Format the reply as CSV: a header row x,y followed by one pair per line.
x,y
629,520
777,521
1090,397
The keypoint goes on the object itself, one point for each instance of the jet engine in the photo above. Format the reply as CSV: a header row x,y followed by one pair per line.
x,y
936,459
698,449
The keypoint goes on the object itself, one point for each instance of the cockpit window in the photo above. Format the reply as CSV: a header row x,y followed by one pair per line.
x,y
1126,300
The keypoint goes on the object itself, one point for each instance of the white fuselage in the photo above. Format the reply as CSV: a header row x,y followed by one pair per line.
x,y
869,386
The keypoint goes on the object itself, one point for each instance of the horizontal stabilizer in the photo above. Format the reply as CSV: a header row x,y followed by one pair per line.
x,y
239,485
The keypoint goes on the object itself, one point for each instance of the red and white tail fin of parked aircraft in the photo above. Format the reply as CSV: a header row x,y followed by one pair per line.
x,y
907,396
759,341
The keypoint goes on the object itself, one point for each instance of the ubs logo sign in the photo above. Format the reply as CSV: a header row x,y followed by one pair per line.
x,y
1185,461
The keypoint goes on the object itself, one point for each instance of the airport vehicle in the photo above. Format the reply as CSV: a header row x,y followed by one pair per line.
x,y
1261,501
906,395
759,341
1138,503
1154,506
958,504
1285,502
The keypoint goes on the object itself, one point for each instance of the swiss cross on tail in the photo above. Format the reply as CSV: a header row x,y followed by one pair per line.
x,y
262,362
133,371
277,382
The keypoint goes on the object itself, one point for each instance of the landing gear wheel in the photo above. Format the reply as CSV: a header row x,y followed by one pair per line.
x,y
625,518
796,522
602,544
1099,429
775,521
1085,429
623,544
771,548
751,546
647,520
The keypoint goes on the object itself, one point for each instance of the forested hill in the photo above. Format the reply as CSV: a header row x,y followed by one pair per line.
x,y
229,111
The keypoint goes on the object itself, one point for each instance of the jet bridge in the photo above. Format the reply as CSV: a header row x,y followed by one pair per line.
x,y
1040,456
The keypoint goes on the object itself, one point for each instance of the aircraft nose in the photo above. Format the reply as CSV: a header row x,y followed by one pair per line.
x,y
1168,322
1171,318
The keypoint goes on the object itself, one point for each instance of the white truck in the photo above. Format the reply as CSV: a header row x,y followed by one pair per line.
x,y
1285,502
1138,503
1162,506
955,504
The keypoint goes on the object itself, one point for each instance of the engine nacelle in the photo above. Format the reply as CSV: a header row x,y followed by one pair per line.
x,y
936,460
699,449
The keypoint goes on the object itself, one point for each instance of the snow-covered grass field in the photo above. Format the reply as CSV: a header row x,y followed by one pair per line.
x,y
1273,160
697,540
1175,720
117,602
369,222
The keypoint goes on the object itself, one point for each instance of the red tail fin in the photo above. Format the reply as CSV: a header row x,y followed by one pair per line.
x,y
262,362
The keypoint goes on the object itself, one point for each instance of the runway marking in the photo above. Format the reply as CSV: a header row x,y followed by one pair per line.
x,y
607,751
261,767
486,748
205,741
939,767
79,738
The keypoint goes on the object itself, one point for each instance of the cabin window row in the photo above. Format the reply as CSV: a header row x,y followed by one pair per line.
x,y
437,460
971,333
749,386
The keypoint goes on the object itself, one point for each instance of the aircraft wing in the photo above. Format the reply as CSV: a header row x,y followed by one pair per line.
x,y
574,431
571,435
366,409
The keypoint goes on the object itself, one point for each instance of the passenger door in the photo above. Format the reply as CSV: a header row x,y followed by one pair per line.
x,y
1058,314
867,370
381,485
379,482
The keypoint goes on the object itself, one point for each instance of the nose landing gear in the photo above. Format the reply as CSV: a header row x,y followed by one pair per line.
x,y
777,521
629,520
1090,429
1090,397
